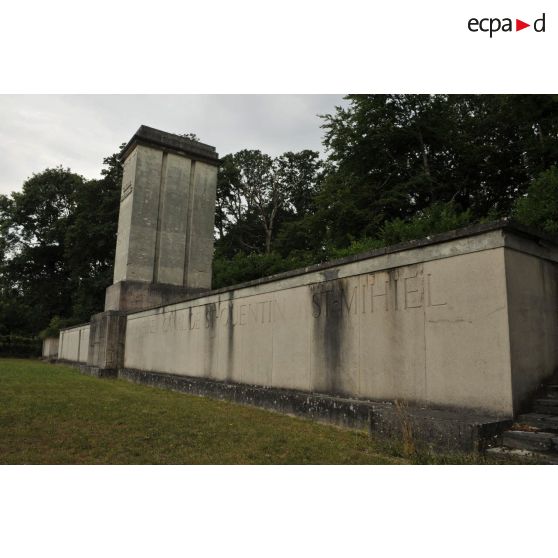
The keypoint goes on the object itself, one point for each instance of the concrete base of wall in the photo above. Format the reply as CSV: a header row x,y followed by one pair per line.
x,y
88,370
66,362
446,430
98,372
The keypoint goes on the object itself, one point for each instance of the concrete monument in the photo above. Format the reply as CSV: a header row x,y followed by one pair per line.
x,y
461,326
164,246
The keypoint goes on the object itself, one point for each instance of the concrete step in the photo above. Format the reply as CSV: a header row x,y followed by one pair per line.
x,y
546,406
551,392
548,401
528,457
537,420
545,410
530,441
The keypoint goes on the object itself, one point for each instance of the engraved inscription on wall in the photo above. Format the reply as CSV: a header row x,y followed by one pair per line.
x,y
128,176
398,290
227,314
385,291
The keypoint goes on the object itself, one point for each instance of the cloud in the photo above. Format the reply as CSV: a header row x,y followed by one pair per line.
x,y
78,131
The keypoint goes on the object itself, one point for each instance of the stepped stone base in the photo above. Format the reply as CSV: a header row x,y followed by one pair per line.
x,y
446,430
546,406
536,433
530,441
548,423
527,457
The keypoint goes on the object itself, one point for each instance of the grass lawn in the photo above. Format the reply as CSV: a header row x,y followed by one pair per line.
x,y
53,414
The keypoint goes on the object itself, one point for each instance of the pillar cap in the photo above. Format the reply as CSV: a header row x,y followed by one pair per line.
x,y
158,139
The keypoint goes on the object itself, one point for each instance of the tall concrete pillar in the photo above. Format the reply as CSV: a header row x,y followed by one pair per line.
x,y
164,248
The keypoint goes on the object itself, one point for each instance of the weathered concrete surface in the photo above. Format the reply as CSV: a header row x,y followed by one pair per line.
x,y
50,348
532,285
427,325
106,341
74,343
129,296
98,372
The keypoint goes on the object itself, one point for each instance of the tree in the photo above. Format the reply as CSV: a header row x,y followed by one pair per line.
x,y
34,271
298,175
257,194
539,207
237,225
258,185
90,240
57,242
392,156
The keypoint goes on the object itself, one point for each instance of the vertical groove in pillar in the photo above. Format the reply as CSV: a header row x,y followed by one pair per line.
x,y
191,190
157,254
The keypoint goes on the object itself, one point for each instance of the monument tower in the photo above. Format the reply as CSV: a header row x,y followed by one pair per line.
x,y
164,245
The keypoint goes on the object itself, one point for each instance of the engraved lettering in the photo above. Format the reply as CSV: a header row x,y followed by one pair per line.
x,y
413,295
394,290
254,313
243,314
349,302
429,291
375,294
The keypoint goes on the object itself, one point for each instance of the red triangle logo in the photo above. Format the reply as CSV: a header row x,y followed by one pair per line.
x,y
519,25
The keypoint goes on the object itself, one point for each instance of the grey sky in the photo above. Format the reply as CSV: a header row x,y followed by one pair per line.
x,y
78,131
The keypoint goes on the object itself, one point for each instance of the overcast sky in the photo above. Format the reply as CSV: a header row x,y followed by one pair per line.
x,y
78,131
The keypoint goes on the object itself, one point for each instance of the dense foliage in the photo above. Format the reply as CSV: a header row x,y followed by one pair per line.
x,y
19,346
397,167
58,237
539,208
400,167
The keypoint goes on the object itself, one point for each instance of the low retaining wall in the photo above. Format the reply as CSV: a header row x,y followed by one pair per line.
x,y
73,344
50,348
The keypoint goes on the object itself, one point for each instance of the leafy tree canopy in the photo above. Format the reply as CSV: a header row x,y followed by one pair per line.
x,y
57,247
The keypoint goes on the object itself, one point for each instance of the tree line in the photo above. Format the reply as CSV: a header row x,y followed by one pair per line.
x,y
396,167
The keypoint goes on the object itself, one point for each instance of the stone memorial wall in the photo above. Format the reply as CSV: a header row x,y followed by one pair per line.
x,y
446,324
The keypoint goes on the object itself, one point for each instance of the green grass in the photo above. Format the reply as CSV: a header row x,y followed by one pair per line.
x,y
53,414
